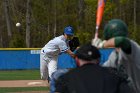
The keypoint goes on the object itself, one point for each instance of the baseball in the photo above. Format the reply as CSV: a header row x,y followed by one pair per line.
x,y
18,24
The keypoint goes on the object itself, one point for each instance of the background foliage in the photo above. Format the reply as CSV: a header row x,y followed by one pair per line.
x,y
48,18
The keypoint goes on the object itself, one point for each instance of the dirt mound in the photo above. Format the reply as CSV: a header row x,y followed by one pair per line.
x,y
23,83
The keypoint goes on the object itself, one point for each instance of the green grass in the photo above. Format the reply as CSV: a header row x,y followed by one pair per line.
x,y
21,89
20,75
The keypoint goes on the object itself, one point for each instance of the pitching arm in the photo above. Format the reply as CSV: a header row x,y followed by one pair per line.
x,y
71,53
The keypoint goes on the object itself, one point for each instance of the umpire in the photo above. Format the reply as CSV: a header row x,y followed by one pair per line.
x,y
89,77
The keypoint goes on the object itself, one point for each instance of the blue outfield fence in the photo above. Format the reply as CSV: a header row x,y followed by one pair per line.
x,y
19,58
66,61
23,58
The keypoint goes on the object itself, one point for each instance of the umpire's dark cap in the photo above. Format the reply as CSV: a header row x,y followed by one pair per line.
x,y
88,52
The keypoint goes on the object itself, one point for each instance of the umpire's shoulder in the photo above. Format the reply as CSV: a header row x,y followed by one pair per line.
x,y
111,72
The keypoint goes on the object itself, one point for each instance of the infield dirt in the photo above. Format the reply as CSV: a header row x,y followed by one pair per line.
x,y
23,83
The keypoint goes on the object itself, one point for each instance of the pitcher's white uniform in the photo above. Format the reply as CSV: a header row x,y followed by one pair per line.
x,y
49,54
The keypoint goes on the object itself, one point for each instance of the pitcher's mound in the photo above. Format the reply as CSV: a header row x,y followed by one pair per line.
x,y
23,83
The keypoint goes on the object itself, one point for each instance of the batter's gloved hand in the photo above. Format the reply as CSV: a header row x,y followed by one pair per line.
x,y
97,42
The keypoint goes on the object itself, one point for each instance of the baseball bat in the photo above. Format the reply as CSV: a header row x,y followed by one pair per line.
x,y
99,15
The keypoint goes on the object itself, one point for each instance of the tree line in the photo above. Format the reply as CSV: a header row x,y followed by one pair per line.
x,y
42,20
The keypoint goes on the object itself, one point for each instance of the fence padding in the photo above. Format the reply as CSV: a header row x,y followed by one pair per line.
x,y
30,59
19,59
66,61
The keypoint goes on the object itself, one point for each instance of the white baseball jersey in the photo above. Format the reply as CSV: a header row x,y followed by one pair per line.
x,y
49,54
130,63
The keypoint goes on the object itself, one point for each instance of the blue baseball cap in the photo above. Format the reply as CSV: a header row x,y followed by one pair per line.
x,y
69,30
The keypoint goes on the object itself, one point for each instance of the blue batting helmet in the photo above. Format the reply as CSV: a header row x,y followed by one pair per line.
x,y
69,30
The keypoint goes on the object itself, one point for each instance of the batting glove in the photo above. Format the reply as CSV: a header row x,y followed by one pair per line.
x,y
97,42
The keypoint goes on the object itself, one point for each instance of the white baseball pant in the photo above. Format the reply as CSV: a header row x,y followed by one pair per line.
x,y
48,65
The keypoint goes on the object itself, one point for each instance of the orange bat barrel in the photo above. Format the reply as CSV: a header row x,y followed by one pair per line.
x,y
100,11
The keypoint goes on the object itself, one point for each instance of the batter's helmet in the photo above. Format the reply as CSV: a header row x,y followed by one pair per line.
x,y
115,27
69,30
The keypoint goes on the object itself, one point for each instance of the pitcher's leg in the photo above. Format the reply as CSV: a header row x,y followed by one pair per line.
x,y
52,66
43,68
